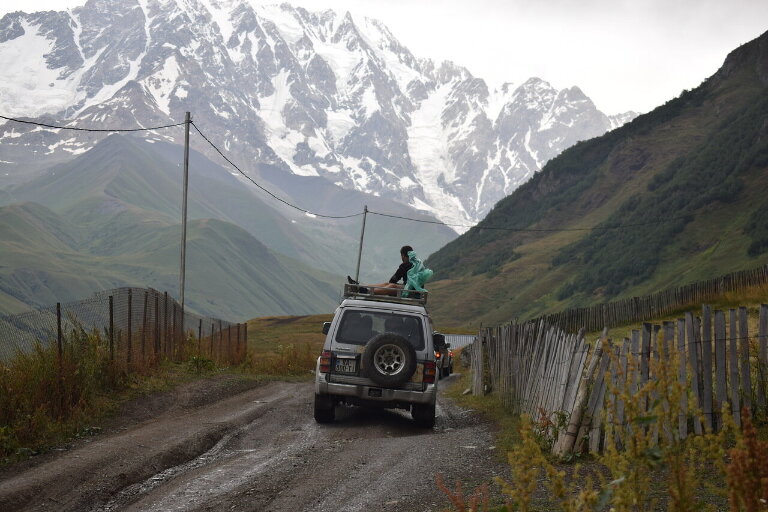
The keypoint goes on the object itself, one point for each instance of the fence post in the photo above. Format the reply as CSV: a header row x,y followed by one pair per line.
x,y
477,364
199,336
156,347
181,335
130,326
165,324
645,358
229,344
694,355
221,340
706,367
636,353
656,372
111,328
721,392
236,357
746,380
762,351
211,337
733,361
144,329
682,379
174,334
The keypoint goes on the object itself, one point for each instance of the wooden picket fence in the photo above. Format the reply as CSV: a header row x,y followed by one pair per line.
x,y
539,369
663,303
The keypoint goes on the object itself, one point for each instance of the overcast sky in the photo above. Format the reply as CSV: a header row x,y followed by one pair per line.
x,y
624,54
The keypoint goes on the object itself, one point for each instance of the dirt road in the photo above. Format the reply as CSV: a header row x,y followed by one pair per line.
x,y
258,450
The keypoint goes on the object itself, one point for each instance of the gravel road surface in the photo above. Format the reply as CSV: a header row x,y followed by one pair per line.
x,y
217,448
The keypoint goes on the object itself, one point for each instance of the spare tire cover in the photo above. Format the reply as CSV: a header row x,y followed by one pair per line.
x,y
389,360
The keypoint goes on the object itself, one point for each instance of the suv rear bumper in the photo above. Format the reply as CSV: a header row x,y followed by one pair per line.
x,y
374,394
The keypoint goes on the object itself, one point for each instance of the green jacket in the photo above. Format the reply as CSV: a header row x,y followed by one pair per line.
x,y
418,274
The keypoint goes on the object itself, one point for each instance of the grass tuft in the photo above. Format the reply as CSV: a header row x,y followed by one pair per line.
x,y
285,346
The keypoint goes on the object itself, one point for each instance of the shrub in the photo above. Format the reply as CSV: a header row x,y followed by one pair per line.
x,y
748,470
199,364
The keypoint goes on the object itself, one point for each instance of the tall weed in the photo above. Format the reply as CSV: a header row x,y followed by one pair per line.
x,y
645,457
40,397
44,400
747,472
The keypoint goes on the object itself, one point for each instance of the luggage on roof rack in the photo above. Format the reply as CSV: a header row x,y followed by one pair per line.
x,y
356,291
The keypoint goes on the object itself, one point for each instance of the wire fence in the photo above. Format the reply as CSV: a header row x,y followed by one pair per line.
x,y
138,326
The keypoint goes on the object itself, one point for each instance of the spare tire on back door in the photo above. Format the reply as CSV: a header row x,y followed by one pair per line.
x,y
389,360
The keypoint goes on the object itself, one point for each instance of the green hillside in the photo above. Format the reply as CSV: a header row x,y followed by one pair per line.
x,y
111,220
229,272
128,173
111,217
687,180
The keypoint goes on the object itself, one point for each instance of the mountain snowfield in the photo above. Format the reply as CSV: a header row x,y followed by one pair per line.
x,y
313,93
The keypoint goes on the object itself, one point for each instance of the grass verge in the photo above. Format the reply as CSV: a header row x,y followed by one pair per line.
x,y
506,423
44,404
285,347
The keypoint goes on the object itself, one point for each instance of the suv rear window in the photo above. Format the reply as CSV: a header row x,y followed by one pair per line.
x,y
357,327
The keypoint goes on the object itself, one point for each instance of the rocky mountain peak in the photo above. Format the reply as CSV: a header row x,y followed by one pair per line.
x,y
313,93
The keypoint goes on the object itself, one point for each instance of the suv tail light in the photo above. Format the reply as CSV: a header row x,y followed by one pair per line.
x,y
325,361
430,370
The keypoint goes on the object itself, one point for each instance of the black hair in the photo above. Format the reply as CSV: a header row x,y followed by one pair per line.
x,y
404,250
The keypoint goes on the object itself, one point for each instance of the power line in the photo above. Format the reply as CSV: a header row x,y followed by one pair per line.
x,y
533,230
308,212
78,129
268,191
425,221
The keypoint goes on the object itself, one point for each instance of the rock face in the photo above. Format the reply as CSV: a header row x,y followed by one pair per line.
x,y
313,93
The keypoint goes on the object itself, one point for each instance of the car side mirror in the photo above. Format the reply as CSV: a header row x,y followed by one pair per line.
x,y
439,339
447,345
326,327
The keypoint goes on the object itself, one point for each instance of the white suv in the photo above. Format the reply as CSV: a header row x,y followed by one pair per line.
x,y
379,351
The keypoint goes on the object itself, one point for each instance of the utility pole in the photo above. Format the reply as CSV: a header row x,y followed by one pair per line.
x,y
182,267
360,250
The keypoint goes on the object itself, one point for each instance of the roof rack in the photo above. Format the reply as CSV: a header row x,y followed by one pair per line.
x,y
377,293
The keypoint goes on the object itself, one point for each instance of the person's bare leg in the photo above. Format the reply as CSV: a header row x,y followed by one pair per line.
x,y
391,289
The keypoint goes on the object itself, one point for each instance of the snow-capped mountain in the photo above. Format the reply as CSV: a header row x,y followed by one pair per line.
x,y
313,93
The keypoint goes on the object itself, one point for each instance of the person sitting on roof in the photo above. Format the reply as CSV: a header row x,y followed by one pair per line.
x,y
411,271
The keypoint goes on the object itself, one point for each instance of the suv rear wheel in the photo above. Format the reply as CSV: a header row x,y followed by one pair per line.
x,y
325,409
389,359
423,415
